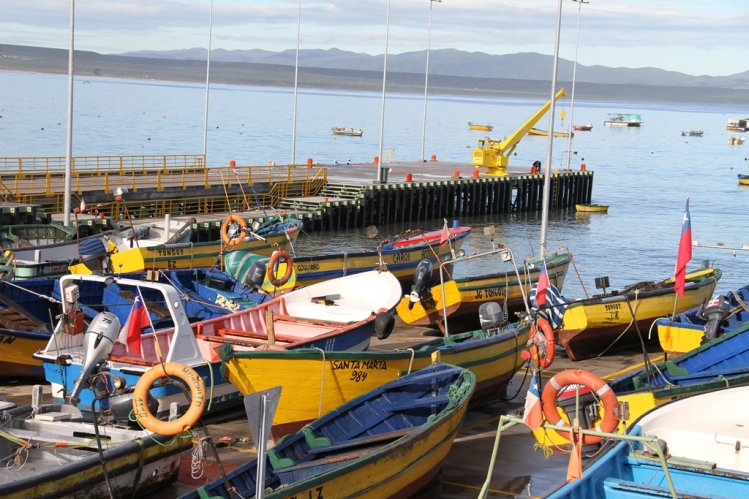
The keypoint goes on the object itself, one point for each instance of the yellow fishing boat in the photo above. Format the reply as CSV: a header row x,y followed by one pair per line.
x,y
592,208
315,382
480,128
463,296
743,179
595,325
545,133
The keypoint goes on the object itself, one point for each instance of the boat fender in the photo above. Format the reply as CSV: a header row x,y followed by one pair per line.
x,y
542,343
383,325
197,398
232,239
714,313
275,259
595,384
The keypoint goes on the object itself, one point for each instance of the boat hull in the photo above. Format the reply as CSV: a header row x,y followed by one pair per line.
x,y
593,326
743,179
592,208
16,354
314,383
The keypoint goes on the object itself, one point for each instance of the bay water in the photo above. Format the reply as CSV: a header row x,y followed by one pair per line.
x,y
644,174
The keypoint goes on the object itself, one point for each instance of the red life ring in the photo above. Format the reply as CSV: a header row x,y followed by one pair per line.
x,y
590,380
225,229
275,259
548,357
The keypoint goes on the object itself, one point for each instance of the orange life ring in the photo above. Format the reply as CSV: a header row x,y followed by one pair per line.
x,y
548,357
275,258
225,229
197,398
590,380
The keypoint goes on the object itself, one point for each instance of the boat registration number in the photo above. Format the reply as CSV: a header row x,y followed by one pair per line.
x,y
316,493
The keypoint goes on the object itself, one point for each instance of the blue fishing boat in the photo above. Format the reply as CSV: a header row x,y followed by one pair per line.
x,y
389,442
688,330
691,447
341,314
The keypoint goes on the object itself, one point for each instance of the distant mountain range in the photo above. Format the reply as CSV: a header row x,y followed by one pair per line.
x,y
450,72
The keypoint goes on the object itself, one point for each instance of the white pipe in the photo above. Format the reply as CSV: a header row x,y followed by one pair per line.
x,y
574,80
381,169
69,144
207,85
296,83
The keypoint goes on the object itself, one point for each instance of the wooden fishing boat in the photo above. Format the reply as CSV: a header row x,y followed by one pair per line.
x,y
390,442
545,133
716,364
592,208
28,308
351,132
743,179
594,325
735,140
459,299
582,128
307,377
692,133
400,256
341,314
701,441
51,454
688,330
195,245
479,127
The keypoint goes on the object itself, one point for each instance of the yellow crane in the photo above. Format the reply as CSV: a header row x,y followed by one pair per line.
x,y
494,154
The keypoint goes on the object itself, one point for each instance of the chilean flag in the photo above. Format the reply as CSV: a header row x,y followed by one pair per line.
x,y
685,252
137,320
532,413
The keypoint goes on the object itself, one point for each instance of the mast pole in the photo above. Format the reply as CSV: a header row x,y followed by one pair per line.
x,y
69,142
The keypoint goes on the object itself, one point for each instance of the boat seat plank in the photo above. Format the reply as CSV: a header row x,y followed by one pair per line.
x,y
256,335
237,341
413,404
324,461
361,441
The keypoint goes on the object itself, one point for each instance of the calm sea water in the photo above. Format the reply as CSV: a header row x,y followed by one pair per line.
x,y
644,174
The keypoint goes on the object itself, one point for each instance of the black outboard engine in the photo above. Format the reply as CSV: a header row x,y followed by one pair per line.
x,y
491,316
256,275
714,313
420,289
384,324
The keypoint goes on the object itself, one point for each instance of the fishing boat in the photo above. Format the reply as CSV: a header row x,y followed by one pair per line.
x,y
459,299
718,363
735,140
193,245
582,128
389,442
545,133
50,453
615,319
692,133
400,255
691,447
341,314
592,208
480,128
737,124
688,330
28,307
623,120
351,132
743,179
492,352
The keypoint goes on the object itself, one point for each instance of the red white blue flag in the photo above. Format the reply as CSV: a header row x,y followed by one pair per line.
x,y
685,252
542,286
532,415
445,235
137,320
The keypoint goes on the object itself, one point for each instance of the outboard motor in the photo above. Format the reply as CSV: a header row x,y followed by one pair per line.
x,y
491,316
384,324
420,288
256,275
98,341
714,313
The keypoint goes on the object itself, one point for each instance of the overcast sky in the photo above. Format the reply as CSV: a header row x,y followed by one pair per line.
x,y
692,36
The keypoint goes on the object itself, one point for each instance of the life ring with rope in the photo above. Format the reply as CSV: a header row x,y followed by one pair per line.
x,y
275,259
197,398
543,359
595,384
232,219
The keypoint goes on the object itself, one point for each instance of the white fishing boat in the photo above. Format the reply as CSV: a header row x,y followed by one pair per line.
x,y
623,120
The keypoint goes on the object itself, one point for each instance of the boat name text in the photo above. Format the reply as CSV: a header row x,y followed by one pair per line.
x,y
171,252
489,293
304,268
372,365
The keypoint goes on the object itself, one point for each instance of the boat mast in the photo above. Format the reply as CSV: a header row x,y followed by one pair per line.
x,y
550,142
296,82
207,85
69,144
381,176
426,82
574,79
